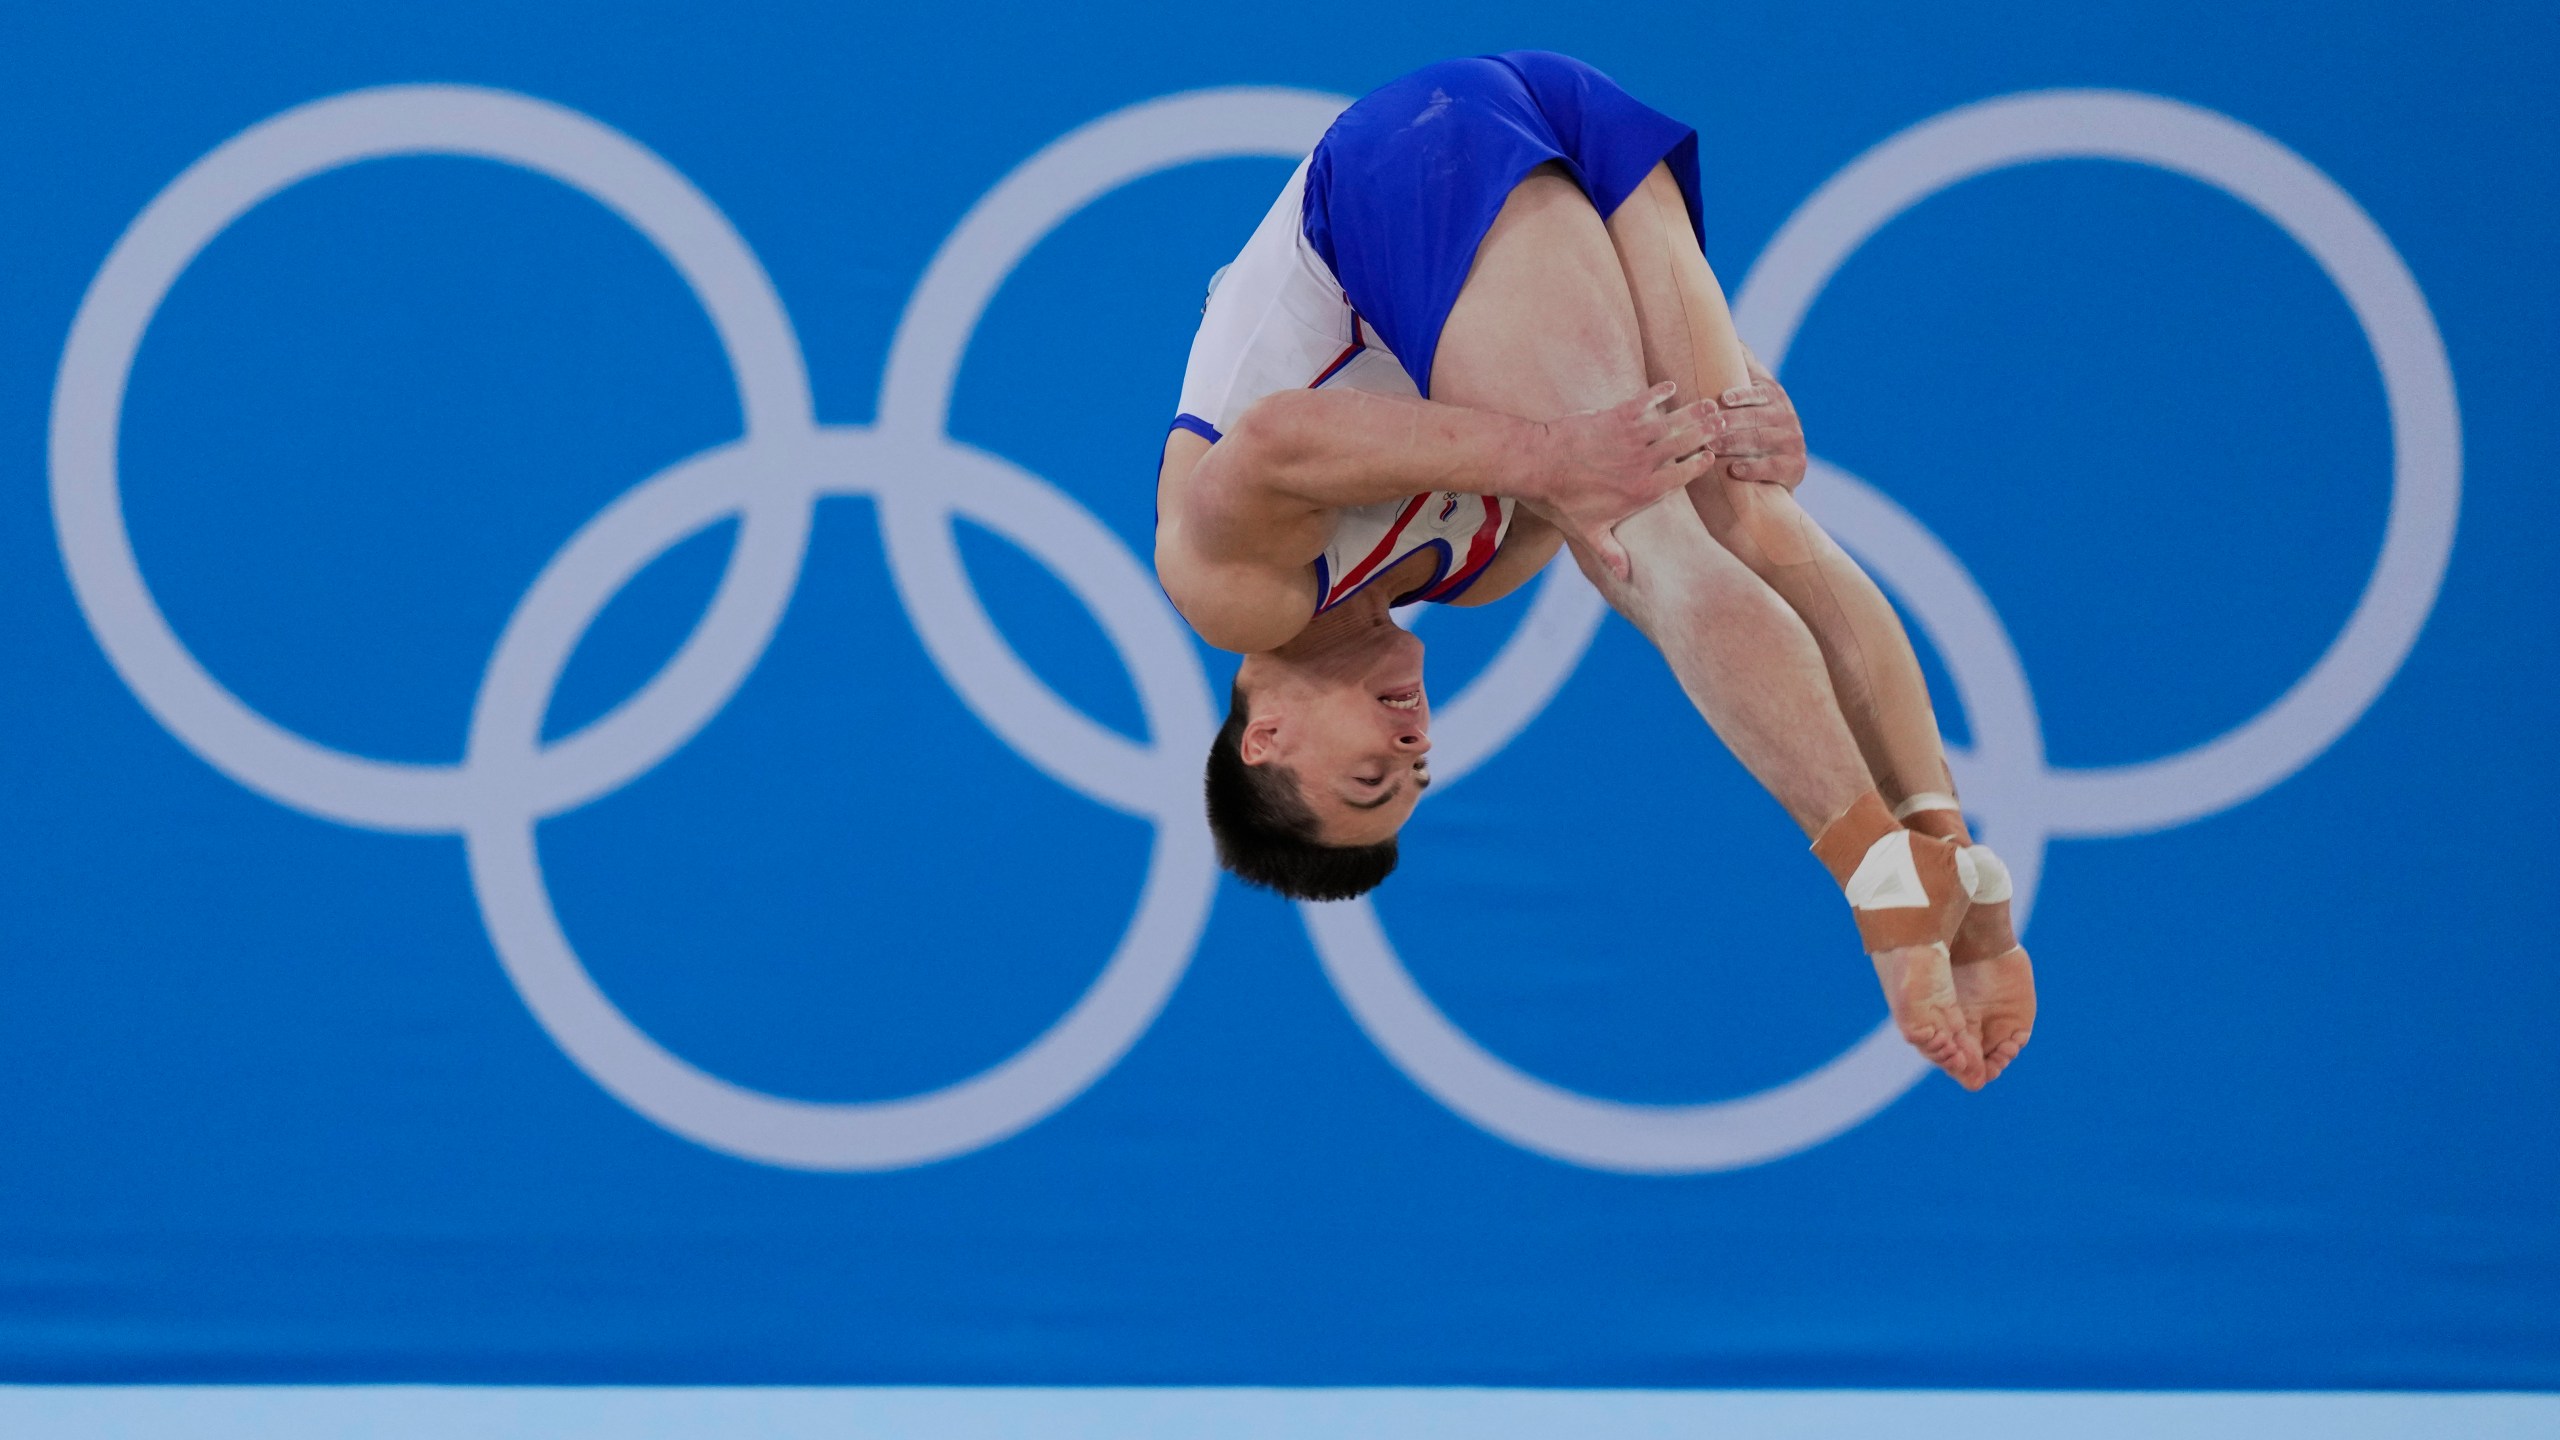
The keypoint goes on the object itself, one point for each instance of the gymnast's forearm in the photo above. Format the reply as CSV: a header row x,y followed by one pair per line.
x,y
1333,449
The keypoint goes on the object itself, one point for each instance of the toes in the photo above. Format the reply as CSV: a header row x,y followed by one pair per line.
x,y
1926,1008
1999,995
2002,1053
1972,1071
1948,1046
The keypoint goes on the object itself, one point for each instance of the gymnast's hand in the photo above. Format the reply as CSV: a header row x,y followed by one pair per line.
x,y
1755,433
1590,471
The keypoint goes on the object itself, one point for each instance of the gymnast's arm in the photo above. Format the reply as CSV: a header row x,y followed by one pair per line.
x,y
1253,510
1239,522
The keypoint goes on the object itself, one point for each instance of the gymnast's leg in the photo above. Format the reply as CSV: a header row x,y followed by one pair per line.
x,y
1689,338
1545,327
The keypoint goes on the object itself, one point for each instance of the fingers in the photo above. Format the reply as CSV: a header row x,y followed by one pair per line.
x,y
1651,400
1784,470
1769,454
1766,426
1771,411
1780,472
1685,432
1599,547
1762,421
1644,417
1757,441
1652,421
1764,441
1755,444
1743,397
1612,554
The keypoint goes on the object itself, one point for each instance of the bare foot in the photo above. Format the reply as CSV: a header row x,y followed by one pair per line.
x,y
1920,987
1998,994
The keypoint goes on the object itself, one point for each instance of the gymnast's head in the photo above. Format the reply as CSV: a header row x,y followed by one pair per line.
x,y
1319,765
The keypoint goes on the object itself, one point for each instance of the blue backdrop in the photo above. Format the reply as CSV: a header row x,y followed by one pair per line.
x,y
408,972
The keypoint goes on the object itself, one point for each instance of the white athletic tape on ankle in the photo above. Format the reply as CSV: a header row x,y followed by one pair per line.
x,y
1925,800
1887,878
1987,882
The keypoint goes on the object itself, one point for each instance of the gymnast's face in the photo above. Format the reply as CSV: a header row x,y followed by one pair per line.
x,y
1354,737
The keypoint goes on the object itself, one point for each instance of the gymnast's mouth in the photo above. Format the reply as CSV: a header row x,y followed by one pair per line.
x,y
1408,699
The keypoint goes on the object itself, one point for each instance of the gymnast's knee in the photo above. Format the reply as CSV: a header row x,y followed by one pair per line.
x,y
1761,524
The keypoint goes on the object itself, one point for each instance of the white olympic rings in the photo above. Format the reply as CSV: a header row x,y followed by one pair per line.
x,y
770,479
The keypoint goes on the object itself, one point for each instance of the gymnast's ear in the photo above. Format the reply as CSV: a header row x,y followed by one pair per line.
x,y
1260,742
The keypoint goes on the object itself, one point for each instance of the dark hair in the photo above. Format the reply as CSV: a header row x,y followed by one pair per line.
x,y
1267,834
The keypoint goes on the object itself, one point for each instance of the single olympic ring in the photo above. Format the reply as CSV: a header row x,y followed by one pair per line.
x,y
770,479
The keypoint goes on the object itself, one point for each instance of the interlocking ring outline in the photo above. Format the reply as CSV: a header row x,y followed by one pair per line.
x,y
771,478
2023,801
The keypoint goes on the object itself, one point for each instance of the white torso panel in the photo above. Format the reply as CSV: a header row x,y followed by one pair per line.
x,y
1277,320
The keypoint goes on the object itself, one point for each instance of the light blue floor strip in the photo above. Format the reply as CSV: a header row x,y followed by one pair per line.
x,y
523,1413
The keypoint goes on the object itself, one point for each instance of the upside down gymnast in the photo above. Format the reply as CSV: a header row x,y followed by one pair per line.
x,y
1476,325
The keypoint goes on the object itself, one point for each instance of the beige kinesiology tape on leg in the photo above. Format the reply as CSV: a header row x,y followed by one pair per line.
x,y
1904,887
1769,516
1987,932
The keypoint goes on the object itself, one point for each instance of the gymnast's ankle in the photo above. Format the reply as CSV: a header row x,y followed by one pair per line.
x,y
1905,887
1986,932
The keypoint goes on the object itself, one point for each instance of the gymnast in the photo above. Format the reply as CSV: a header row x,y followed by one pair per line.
x,y
1477,325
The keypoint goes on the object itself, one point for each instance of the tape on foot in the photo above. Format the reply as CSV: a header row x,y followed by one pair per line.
x,y
1904,888
1986,932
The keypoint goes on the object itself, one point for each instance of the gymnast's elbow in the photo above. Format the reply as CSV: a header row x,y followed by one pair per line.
x,y
1269,446
1233,608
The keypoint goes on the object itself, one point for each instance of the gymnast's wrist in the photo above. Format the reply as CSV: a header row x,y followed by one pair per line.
x,y
1523,465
